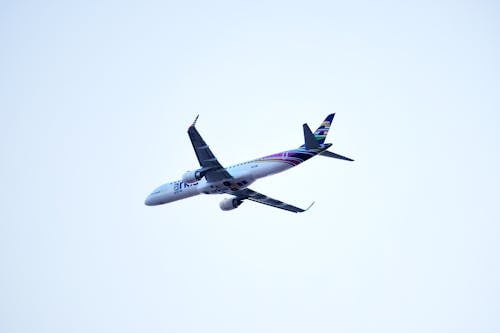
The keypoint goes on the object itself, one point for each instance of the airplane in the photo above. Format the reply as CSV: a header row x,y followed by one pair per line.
x,y
213,178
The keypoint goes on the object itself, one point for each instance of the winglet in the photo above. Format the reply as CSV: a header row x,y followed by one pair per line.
x,y
195,120
309,206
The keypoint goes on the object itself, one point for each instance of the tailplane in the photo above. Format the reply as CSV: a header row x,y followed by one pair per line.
x,y
310,140
333,155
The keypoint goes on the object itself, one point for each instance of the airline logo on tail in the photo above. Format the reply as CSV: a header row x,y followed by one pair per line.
x,y
323,129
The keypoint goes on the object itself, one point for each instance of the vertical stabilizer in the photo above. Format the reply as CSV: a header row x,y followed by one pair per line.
x,y
322,130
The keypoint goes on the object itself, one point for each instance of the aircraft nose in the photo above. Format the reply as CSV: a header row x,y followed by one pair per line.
x,y
149,201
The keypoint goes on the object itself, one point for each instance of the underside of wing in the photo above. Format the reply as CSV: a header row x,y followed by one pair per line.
x,y
215,171
263,199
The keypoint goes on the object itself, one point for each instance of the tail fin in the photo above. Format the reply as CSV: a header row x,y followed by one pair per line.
x,y
313,141
322,130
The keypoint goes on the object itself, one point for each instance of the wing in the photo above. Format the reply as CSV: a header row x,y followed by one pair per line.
x,y
263,199
215,171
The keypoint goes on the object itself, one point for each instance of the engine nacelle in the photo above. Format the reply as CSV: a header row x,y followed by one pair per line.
x,y
192,176
230,203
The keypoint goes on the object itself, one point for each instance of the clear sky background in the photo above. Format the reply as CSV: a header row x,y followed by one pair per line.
x,y
95,101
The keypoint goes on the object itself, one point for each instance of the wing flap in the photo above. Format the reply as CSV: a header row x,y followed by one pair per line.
x,y
264,199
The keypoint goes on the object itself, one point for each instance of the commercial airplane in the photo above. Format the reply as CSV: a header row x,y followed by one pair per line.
x,y
213,178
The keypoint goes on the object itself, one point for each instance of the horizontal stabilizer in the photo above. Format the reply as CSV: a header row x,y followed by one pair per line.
x,y
309,138
333,155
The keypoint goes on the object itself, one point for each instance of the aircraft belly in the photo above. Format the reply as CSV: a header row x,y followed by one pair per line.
x,y
241,179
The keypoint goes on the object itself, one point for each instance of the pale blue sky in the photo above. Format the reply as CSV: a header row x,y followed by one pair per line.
x,y
95,101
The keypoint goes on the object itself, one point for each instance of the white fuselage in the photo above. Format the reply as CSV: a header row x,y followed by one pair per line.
x,y
212,178
243,175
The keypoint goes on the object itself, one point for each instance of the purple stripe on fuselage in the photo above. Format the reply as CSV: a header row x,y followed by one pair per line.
x,y
292,157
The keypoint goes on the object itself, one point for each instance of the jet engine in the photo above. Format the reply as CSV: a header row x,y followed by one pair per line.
x,y
230,203
192,176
